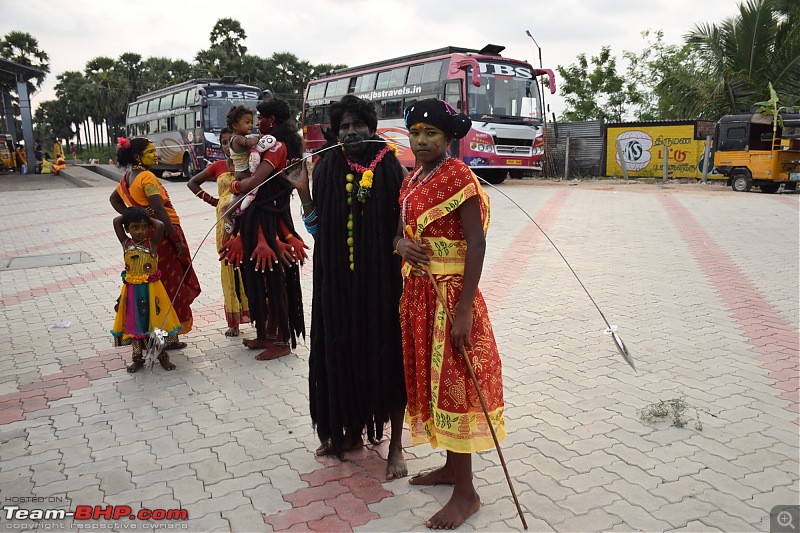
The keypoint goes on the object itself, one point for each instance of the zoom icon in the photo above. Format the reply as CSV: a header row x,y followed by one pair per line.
x,y
784,519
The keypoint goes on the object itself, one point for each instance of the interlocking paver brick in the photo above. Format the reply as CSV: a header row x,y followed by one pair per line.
x,y
702,324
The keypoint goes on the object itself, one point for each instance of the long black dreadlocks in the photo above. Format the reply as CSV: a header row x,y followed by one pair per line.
x,y
356,363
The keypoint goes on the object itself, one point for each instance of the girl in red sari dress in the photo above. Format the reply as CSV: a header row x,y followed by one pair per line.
x,y
444,218
140,187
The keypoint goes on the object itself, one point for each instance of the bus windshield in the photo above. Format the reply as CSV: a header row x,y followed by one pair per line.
x,y
217,111
508,94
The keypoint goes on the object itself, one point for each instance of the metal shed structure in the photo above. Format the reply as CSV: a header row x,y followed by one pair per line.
x,y
19,74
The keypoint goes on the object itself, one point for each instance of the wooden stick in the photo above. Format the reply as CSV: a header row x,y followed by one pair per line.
x,y
472,376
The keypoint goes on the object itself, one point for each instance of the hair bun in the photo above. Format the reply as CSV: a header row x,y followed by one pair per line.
x,y
460,125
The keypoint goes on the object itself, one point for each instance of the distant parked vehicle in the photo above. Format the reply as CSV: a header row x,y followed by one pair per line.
x,y
757,150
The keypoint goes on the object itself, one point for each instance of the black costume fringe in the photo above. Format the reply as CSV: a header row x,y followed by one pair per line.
x,y
356,364
274,293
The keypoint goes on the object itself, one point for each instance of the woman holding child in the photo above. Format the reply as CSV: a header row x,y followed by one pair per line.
x,y
266,247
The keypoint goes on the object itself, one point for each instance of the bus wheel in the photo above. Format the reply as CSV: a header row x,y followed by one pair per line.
x,y
495,177
770,187
741,181
187,167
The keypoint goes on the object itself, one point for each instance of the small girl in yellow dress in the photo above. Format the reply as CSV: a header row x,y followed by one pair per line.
x,y
143,301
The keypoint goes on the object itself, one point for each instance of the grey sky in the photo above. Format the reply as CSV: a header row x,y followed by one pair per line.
x,y
351,31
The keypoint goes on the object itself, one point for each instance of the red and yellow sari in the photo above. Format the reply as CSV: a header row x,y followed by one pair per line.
x,y
443,407
172,267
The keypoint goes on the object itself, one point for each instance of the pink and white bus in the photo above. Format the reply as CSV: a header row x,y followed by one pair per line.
x,y
499,94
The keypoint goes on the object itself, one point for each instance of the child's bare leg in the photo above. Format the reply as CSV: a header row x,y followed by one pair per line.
x,y
464,501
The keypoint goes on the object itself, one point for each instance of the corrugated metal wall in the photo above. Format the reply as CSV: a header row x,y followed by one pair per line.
x,y
586,147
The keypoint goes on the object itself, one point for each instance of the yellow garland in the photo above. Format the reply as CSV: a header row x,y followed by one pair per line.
x,y
136,279
366,179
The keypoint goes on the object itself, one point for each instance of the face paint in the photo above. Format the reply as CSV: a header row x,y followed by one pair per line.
x,y
353,130
428,143
149,155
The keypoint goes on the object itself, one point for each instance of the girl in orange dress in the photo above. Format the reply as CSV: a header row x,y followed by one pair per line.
x,y
444,219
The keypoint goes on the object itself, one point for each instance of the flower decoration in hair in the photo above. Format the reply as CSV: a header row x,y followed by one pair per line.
x,y
123,143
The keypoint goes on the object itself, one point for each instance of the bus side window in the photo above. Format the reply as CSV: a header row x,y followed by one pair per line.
x,y
415,74
452,94
392,108
180,99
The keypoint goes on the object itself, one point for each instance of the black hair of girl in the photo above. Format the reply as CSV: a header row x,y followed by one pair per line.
x,y
225,130
358,107
235,113
128,156
135,214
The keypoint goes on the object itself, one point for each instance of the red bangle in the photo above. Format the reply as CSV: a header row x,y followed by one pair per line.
x,y
235,187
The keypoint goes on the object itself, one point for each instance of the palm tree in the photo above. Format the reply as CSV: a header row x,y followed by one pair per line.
x,y
228,36
740,56
106,91
68,90
23,48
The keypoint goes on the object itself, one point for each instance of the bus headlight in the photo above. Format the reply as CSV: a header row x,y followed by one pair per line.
x,y
481,147
539,150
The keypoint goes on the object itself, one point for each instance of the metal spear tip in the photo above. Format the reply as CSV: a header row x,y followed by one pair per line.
x,y
623,350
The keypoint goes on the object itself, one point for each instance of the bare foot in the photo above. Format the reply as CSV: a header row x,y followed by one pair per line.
x,y
232,332
350,444
273,352
396,464
165,364
135,366
257,344
441,476
459,508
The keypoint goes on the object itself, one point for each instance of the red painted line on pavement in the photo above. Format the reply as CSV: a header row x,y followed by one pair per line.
x,y
497,282
771,336
38,395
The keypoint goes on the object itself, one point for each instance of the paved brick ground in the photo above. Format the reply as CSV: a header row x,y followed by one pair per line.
x,y
702,282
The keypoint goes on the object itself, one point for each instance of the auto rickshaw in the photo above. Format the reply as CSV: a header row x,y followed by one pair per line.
x,y
7,155
761,150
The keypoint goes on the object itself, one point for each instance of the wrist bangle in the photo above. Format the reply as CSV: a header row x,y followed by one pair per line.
x,y
397,245
198,193
303,204
235,187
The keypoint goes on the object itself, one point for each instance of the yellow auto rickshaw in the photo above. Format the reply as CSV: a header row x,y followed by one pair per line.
x,y
7,155
756,149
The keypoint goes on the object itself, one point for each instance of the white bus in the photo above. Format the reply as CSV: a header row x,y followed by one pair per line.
x,y
184,120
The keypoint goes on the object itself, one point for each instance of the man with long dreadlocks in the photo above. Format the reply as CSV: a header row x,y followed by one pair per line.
x,y
267,248
356,364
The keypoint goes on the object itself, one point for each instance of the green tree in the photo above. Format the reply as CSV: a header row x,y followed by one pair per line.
x,y
68,90
593,88
23,48
228,36
107,92
738,56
